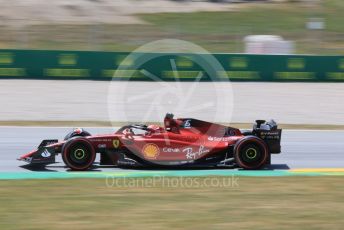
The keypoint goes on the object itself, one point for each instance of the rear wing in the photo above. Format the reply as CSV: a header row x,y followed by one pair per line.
x,y
270,133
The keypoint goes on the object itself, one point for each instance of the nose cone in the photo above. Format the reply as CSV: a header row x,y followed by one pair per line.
x,y
27,157
30,154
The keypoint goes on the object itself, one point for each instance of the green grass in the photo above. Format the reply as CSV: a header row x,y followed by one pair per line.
x,y
287,20
253,20
256,203
215,31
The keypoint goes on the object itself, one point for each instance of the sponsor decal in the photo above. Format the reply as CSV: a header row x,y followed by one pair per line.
x,y
178,162
6,58
102,146
101,140
67,59
116,143
189,138
239,62
190,154
170,150
13,72
59,72
231,132
210,138
270,133
294,75
296,63
274,135
126,162
187,124
46,153
239,75
151,151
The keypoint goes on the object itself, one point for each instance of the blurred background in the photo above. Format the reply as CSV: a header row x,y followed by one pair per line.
x,y
42,40
46,81
298,26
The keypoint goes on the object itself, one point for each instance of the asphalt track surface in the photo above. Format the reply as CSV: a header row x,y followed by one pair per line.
x,y
287,103
301,149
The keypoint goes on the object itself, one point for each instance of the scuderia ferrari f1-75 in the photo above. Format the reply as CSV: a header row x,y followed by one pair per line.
x,y
183,142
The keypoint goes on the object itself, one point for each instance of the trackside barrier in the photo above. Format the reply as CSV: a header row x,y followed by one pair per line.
x,y
44,64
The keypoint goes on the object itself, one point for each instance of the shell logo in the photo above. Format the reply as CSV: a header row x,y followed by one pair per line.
x,y
151,151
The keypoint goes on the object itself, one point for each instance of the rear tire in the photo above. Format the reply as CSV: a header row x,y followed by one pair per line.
x,y
78,154
251,153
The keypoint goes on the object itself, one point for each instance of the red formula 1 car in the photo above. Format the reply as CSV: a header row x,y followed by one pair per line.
x,y
182,142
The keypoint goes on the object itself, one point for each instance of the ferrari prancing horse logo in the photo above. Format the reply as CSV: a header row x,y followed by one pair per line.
x,y
115,143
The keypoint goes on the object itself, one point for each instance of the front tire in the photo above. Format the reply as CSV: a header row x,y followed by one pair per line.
x,y
251,153
78,132
78,154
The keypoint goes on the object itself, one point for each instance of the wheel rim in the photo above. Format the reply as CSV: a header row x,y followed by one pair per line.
x,y
251,153
79,154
